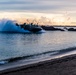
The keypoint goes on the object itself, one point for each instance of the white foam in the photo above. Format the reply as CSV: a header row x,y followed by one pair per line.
x,y
3,62
9,26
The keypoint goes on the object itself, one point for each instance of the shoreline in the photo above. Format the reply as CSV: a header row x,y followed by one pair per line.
x,y
58,66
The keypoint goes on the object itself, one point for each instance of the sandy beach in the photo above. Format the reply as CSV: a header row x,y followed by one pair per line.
x,y
61,66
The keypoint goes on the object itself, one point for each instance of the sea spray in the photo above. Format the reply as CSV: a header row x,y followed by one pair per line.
x,y
3,62
9,26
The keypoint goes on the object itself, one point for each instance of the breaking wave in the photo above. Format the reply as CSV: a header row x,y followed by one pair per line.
x,y
50,53
10,26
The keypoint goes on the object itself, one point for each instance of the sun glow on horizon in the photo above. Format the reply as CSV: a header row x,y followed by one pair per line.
x,y
38,18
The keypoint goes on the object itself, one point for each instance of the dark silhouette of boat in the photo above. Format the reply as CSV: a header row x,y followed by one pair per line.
x,y
30,27
51,28
71,29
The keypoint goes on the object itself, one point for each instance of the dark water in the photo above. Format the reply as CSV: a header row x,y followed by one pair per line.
x,y
32,45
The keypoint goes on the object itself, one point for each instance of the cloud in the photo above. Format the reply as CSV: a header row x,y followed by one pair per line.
x,y
46,6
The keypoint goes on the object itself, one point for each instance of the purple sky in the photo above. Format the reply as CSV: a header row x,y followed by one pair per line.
x,y
48,6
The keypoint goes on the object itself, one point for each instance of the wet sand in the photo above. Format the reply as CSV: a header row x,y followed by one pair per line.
x,y
60,66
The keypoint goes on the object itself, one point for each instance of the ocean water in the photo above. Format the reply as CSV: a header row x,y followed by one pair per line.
x,y
16,46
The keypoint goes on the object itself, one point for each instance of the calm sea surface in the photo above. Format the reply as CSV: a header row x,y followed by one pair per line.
x,y
29,45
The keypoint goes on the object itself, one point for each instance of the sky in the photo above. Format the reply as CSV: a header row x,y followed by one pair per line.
x,y
48,12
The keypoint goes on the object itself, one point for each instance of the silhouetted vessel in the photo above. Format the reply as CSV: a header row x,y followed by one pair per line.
x,y
51,28
31,27
71,29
